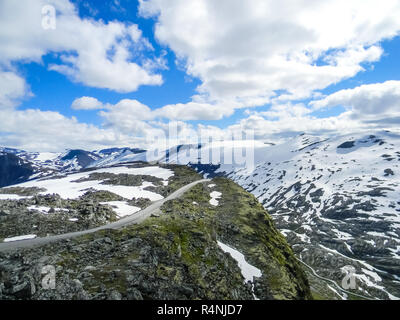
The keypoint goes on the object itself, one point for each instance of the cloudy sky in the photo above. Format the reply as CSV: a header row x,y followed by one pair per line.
x,y
111,73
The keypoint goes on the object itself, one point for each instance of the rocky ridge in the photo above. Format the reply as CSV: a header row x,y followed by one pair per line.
x,y
174,255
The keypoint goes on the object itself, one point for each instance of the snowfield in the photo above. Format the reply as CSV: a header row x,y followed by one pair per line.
x,y
68,187
20,238
11,197
121,208
46,156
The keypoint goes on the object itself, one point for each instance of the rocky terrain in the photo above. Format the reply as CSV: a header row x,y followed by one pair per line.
x,y
337,202
336,199
79,201
188,251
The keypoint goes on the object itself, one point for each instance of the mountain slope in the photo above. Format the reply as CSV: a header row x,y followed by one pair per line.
x,y
337,202
189,250
13,169
336,199
19,165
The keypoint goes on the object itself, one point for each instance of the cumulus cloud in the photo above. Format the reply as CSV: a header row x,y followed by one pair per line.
x,y
247,51
47,130
128,110
94,53
282,120
194,111
290,125
86,103
281,111
12,89
97,54
126,114
369,100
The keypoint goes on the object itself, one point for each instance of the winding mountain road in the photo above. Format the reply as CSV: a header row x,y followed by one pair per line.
x,y
334,283
135,218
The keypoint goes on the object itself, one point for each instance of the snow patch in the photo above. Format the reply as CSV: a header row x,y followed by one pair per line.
x,y
342,235
20,238
248,271
12,197
214,196
41,209
46,156
68,188
122,208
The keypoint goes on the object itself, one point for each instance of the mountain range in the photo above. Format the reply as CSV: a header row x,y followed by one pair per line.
x,y
335,199
19,165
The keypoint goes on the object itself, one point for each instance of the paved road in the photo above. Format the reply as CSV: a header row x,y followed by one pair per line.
x,y
135,218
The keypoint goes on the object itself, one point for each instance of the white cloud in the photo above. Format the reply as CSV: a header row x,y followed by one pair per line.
x,y
46,130
366,101
194,111
97,54
279,111
125,112
86,103
286,126
244,51
12,89
133,118
128,110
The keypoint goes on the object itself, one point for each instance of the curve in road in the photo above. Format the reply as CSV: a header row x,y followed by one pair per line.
x,y
334,282
135,218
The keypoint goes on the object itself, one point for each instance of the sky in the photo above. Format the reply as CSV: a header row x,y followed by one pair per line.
x,y
95,74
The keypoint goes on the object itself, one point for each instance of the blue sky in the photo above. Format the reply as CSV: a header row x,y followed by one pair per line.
x,y
222,66
54,91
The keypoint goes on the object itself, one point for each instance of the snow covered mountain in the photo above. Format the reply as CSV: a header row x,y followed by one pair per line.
x,y
117,155
19,165
13,169
338,203
337,200
204,240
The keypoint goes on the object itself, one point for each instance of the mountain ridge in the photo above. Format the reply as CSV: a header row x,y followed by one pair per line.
x,y
334,198
180,253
